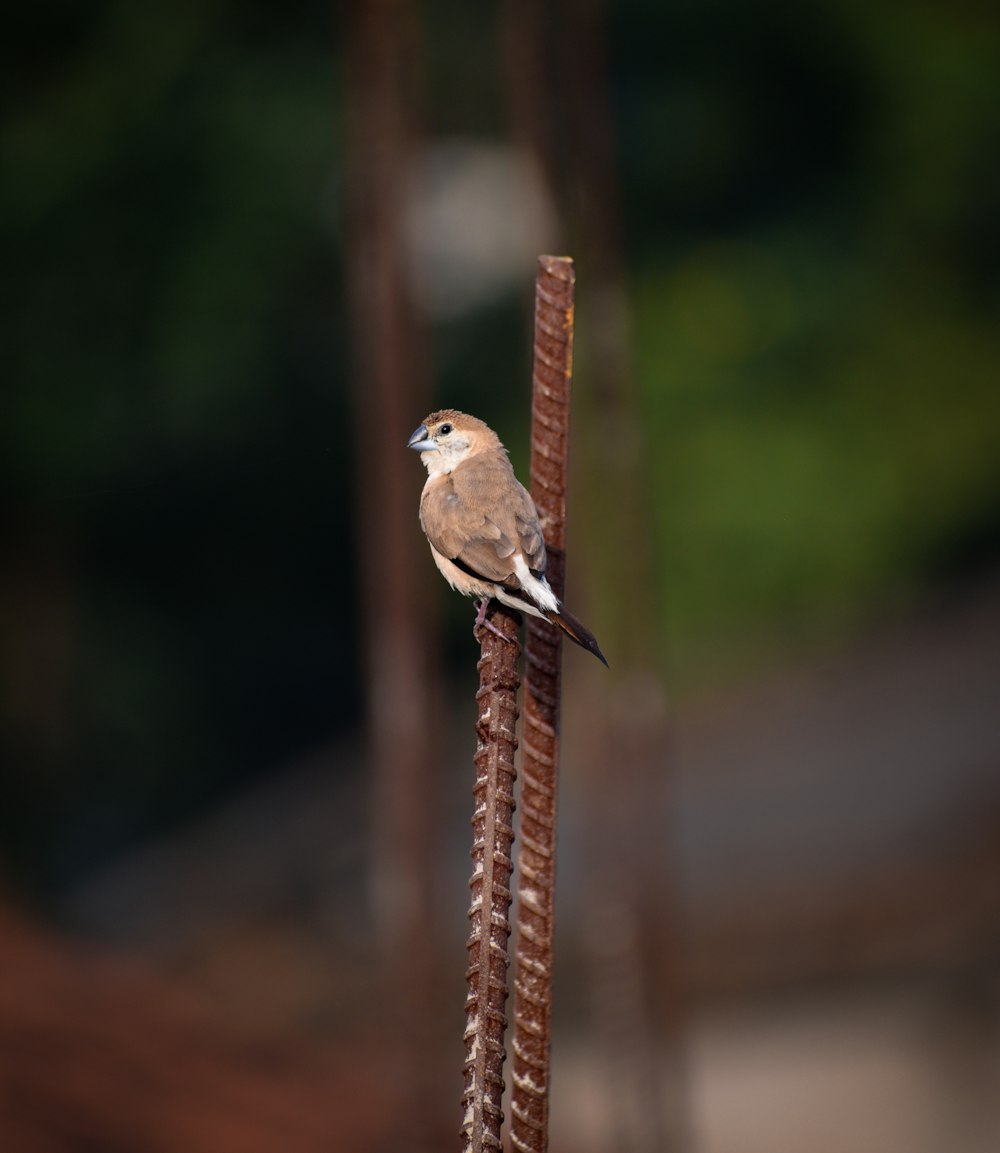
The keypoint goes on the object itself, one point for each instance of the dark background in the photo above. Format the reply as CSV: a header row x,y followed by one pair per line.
x,y
804,221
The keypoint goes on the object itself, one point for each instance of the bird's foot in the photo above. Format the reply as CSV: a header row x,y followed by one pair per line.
x,y
482,622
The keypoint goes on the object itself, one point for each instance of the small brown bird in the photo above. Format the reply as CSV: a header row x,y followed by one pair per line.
x,y
482,524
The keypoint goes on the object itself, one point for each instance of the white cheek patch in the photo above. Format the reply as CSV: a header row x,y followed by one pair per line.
x,y
447,456
434,462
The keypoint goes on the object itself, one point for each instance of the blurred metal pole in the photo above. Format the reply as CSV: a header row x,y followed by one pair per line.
x,y
400,681
631,935
559,102
552,373
528,66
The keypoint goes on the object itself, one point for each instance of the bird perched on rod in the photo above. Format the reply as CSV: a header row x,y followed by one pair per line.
x,y
482,524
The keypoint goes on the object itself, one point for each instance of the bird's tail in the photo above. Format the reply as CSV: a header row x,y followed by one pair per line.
x,y
577,632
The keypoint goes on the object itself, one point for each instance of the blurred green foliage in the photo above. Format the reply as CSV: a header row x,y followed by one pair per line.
x,y
815,314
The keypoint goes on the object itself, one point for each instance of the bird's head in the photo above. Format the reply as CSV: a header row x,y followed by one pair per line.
x,y
448,437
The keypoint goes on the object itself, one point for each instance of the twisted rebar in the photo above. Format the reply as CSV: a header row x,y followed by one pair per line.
x,y
493,834
553,367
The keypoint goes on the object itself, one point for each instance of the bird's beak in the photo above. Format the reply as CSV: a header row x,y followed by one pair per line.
x,y
420,440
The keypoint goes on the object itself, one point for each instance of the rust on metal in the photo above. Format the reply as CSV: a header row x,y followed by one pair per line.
x,y
553,369
492,836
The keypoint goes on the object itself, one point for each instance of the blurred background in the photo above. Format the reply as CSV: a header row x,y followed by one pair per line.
x,y
246,250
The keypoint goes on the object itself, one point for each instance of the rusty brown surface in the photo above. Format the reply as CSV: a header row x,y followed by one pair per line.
x,y
492,836
101,1052
553,368
401,675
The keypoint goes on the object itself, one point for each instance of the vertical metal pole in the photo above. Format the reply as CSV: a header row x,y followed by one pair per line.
x,y
493,834
401,681
553,369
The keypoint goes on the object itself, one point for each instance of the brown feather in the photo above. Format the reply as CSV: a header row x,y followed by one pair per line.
x,y
481,515
482,524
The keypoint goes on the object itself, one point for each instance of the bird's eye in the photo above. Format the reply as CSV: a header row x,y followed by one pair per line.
x,y
444,429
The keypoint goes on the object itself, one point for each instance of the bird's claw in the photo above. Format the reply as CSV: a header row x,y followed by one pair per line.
x,y
482,622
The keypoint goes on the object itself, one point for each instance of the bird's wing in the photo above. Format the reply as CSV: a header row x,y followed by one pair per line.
x,y
480,517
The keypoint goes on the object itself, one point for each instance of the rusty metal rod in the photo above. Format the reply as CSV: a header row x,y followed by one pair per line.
x,y
493,834
552,374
